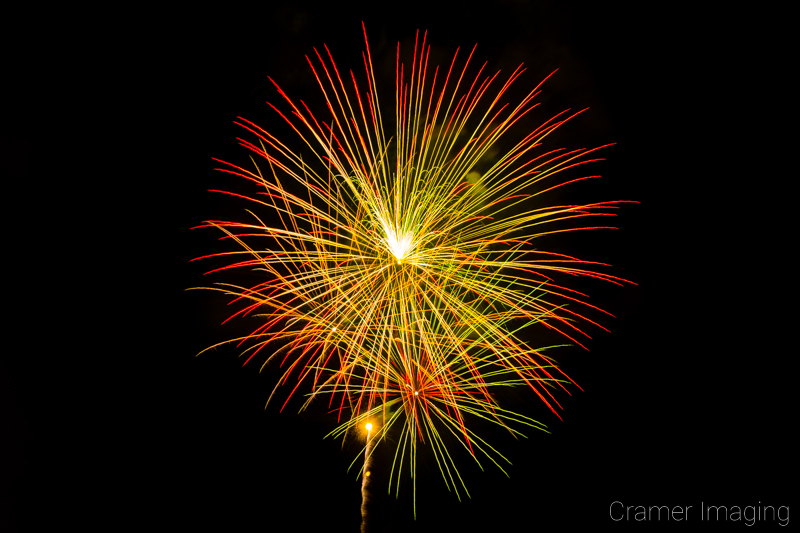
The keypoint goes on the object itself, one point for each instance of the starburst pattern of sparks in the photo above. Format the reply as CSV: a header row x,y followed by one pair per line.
x,y
401,282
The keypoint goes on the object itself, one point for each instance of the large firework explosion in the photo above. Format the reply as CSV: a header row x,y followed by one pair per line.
x,y
401,277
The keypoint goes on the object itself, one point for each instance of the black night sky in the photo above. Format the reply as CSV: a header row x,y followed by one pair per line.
x,y
684,402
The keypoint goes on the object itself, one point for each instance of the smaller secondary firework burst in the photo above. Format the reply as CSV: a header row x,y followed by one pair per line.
x,y
402,282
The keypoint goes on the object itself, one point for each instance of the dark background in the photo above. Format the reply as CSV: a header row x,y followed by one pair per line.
x,y
685,402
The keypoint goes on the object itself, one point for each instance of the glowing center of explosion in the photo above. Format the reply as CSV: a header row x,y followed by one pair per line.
x,y
399,244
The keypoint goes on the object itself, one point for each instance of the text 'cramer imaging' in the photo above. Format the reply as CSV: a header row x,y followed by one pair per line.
x,y
748,514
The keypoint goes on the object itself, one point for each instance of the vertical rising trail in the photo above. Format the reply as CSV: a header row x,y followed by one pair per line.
x,y
365,481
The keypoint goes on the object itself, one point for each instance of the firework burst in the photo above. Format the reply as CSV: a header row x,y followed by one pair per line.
x,y
400,282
